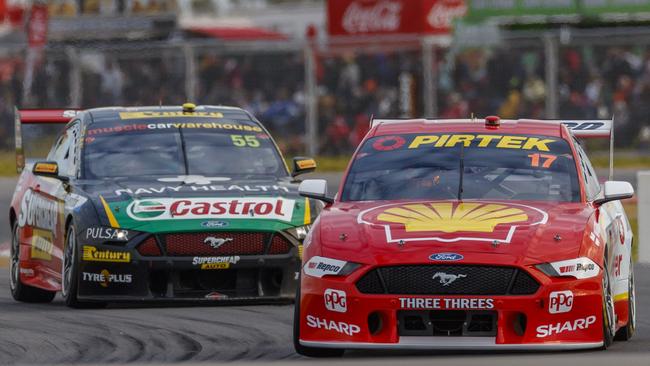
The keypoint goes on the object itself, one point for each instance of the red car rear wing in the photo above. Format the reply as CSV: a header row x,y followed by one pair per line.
x,y
36,116
580,128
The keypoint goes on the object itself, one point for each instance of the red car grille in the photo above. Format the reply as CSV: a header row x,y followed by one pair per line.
x,y
213,244
149,247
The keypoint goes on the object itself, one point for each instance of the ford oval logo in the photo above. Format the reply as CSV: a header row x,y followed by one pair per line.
x,y
445,257
214,224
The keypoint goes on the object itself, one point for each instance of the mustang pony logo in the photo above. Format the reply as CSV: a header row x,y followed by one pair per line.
x,y
447,279
452,221
216,242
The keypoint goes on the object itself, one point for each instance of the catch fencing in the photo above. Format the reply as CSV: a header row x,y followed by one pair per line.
x,y
318,97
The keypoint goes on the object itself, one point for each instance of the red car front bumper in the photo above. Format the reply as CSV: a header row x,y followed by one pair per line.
x,y
560,314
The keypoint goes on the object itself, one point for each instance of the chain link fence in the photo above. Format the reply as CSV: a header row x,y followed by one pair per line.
x,y
522,76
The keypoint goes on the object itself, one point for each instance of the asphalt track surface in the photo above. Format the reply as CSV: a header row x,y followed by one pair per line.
x,y
55,334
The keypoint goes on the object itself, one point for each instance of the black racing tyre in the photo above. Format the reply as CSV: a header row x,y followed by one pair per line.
x,y
20,291
625,333
70,273
304,350
609,315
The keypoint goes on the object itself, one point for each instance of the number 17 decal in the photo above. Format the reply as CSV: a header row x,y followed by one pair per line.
x,y
535,160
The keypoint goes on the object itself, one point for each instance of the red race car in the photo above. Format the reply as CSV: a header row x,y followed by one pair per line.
x,y
467,234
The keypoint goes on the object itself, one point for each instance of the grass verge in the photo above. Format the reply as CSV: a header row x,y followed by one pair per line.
x,y
7,164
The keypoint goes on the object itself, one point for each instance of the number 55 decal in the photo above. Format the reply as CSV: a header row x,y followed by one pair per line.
x,y
241,141
548,160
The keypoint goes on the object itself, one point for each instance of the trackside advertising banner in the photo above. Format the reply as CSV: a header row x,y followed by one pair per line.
x,y
522,11
392,17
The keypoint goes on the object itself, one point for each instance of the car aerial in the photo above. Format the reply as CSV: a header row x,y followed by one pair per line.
x,y
157,204
468,234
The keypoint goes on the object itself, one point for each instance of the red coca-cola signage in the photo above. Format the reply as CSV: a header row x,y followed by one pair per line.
x,y
37,25
390,17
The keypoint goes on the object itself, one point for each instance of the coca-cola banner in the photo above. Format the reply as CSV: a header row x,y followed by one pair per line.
x,y
389,17
37,25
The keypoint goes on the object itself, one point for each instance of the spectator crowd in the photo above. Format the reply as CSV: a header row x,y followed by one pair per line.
x,y
593,82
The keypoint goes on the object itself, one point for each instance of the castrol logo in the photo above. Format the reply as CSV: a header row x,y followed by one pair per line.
x,y
383,16
211,208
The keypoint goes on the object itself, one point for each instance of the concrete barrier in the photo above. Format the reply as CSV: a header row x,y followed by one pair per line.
x,y
643,194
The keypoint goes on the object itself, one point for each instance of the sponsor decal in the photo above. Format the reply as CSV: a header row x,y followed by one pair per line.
x,y
122,128
27,272
447,279
452,221
618,260
449,218
215,243
139,115
621,231
441,303
579,268
388,143
213,224
107,233
215,262
37,211
92,254
105,278
336,300
200,188
384,16
42,246
322,266
567,326
446,257
331,325
480,141
560,302
194,179
207,208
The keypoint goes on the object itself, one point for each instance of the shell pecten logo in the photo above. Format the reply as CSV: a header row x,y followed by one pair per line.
x,y
451,221
448,217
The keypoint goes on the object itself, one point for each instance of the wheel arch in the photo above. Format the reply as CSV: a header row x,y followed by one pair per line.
x,y
12,218
69,220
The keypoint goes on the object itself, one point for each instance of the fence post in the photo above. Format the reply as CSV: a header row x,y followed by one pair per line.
x,y
311,96
551,70
190,73
429,95
76,84
643,201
